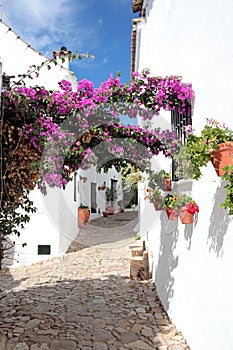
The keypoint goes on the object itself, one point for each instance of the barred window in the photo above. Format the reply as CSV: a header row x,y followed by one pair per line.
x,y
178,123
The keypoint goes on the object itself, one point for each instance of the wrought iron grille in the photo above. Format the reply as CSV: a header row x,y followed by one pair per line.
x,y
178,123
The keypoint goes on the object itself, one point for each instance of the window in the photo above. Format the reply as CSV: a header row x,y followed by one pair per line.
x,y
178,122
44,249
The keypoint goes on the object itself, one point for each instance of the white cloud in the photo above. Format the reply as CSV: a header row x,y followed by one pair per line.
x,y
49,24
100,22
90,64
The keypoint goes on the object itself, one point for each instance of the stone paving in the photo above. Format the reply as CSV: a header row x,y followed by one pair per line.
x,y
85,299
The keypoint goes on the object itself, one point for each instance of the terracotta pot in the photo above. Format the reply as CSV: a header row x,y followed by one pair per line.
x,y
81,217
167,185
222,156
157,205
86,215
172,214
185,216
110,209
84,179
105,214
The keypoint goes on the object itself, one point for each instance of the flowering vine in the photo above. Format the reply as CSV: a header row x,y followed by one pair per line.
x,y
49,134
39,116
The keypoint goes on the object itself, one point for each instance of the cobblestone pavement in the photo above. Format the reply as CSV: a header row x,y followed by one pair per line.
x,y
85,299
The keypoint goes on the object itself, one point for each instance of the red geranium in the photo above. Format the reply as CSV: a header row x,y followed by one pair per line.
x,y
192,208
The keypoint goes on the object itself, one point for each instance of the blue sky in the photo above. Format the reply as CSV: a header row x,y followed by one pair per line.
x,y
101,27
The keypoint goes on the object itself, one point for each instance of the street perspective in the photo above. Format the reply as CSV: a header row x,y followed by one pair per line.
x,y
116,171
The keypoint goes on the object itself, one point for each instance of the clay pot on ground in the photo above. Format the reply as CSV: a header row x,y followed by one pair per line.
x,y
86,215
81,217
222,156
110,209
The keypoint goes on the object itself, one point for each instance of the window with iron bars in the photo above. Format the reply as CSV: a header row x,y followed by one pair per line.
x,y
178,123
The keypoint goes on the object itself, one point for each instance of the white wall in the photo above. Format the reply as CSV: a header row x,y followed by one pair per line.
x,y
99,179
16,56
55,222
192,264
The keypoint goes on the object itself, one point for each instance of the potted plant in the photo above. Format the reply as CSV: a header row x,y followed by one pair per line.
x,y
161,179
215,144
155,197
84,179
111,195
170,206
228,202
102,187
83,215
186,208
131,176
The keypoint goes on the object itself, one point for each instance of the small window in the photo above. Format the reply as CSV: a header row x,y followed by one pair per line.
x,y
44,249
178,122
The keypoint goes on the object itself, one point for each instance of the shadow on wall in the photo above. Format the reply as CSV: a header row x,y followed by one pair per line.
x,y
219,222
167,261
188,231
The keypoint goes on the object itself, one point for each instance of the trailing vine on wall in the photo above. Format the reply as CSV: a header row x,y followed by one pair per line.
x,y
47,135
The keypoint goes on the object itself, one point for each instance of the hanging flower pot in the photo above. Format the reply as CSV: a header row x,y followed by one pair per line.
x,y
172,214
187,207
84,179
185,216
222,156
158,205
167,184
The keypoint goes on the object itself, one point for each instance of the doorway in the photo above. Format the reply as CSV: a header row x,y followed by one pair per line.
x,y
114,187
93,198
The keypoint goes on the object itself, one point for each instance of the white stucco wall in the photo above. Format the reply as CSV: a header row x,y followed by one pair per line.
x,y
55,222
192,264
17,56
99,179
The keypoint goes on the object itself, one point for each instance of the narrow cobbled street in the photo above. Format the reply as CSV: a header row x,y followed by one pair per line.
x,y
85,299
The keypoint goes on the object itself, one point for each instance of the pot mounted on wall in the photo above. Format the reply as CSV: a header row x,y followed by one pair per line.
x,y
222,156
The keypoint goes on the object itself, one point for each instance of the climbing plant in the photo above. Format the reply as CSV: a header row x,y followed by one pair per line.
x,y
47,135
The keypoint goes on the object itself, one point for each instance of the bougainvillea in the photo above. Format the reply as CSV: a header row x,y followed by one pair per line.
x,y
56,122
49,134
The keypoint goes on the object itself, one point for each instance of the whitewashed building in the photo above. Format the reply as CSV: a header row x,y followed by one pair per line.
x,y
191,264
55,224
